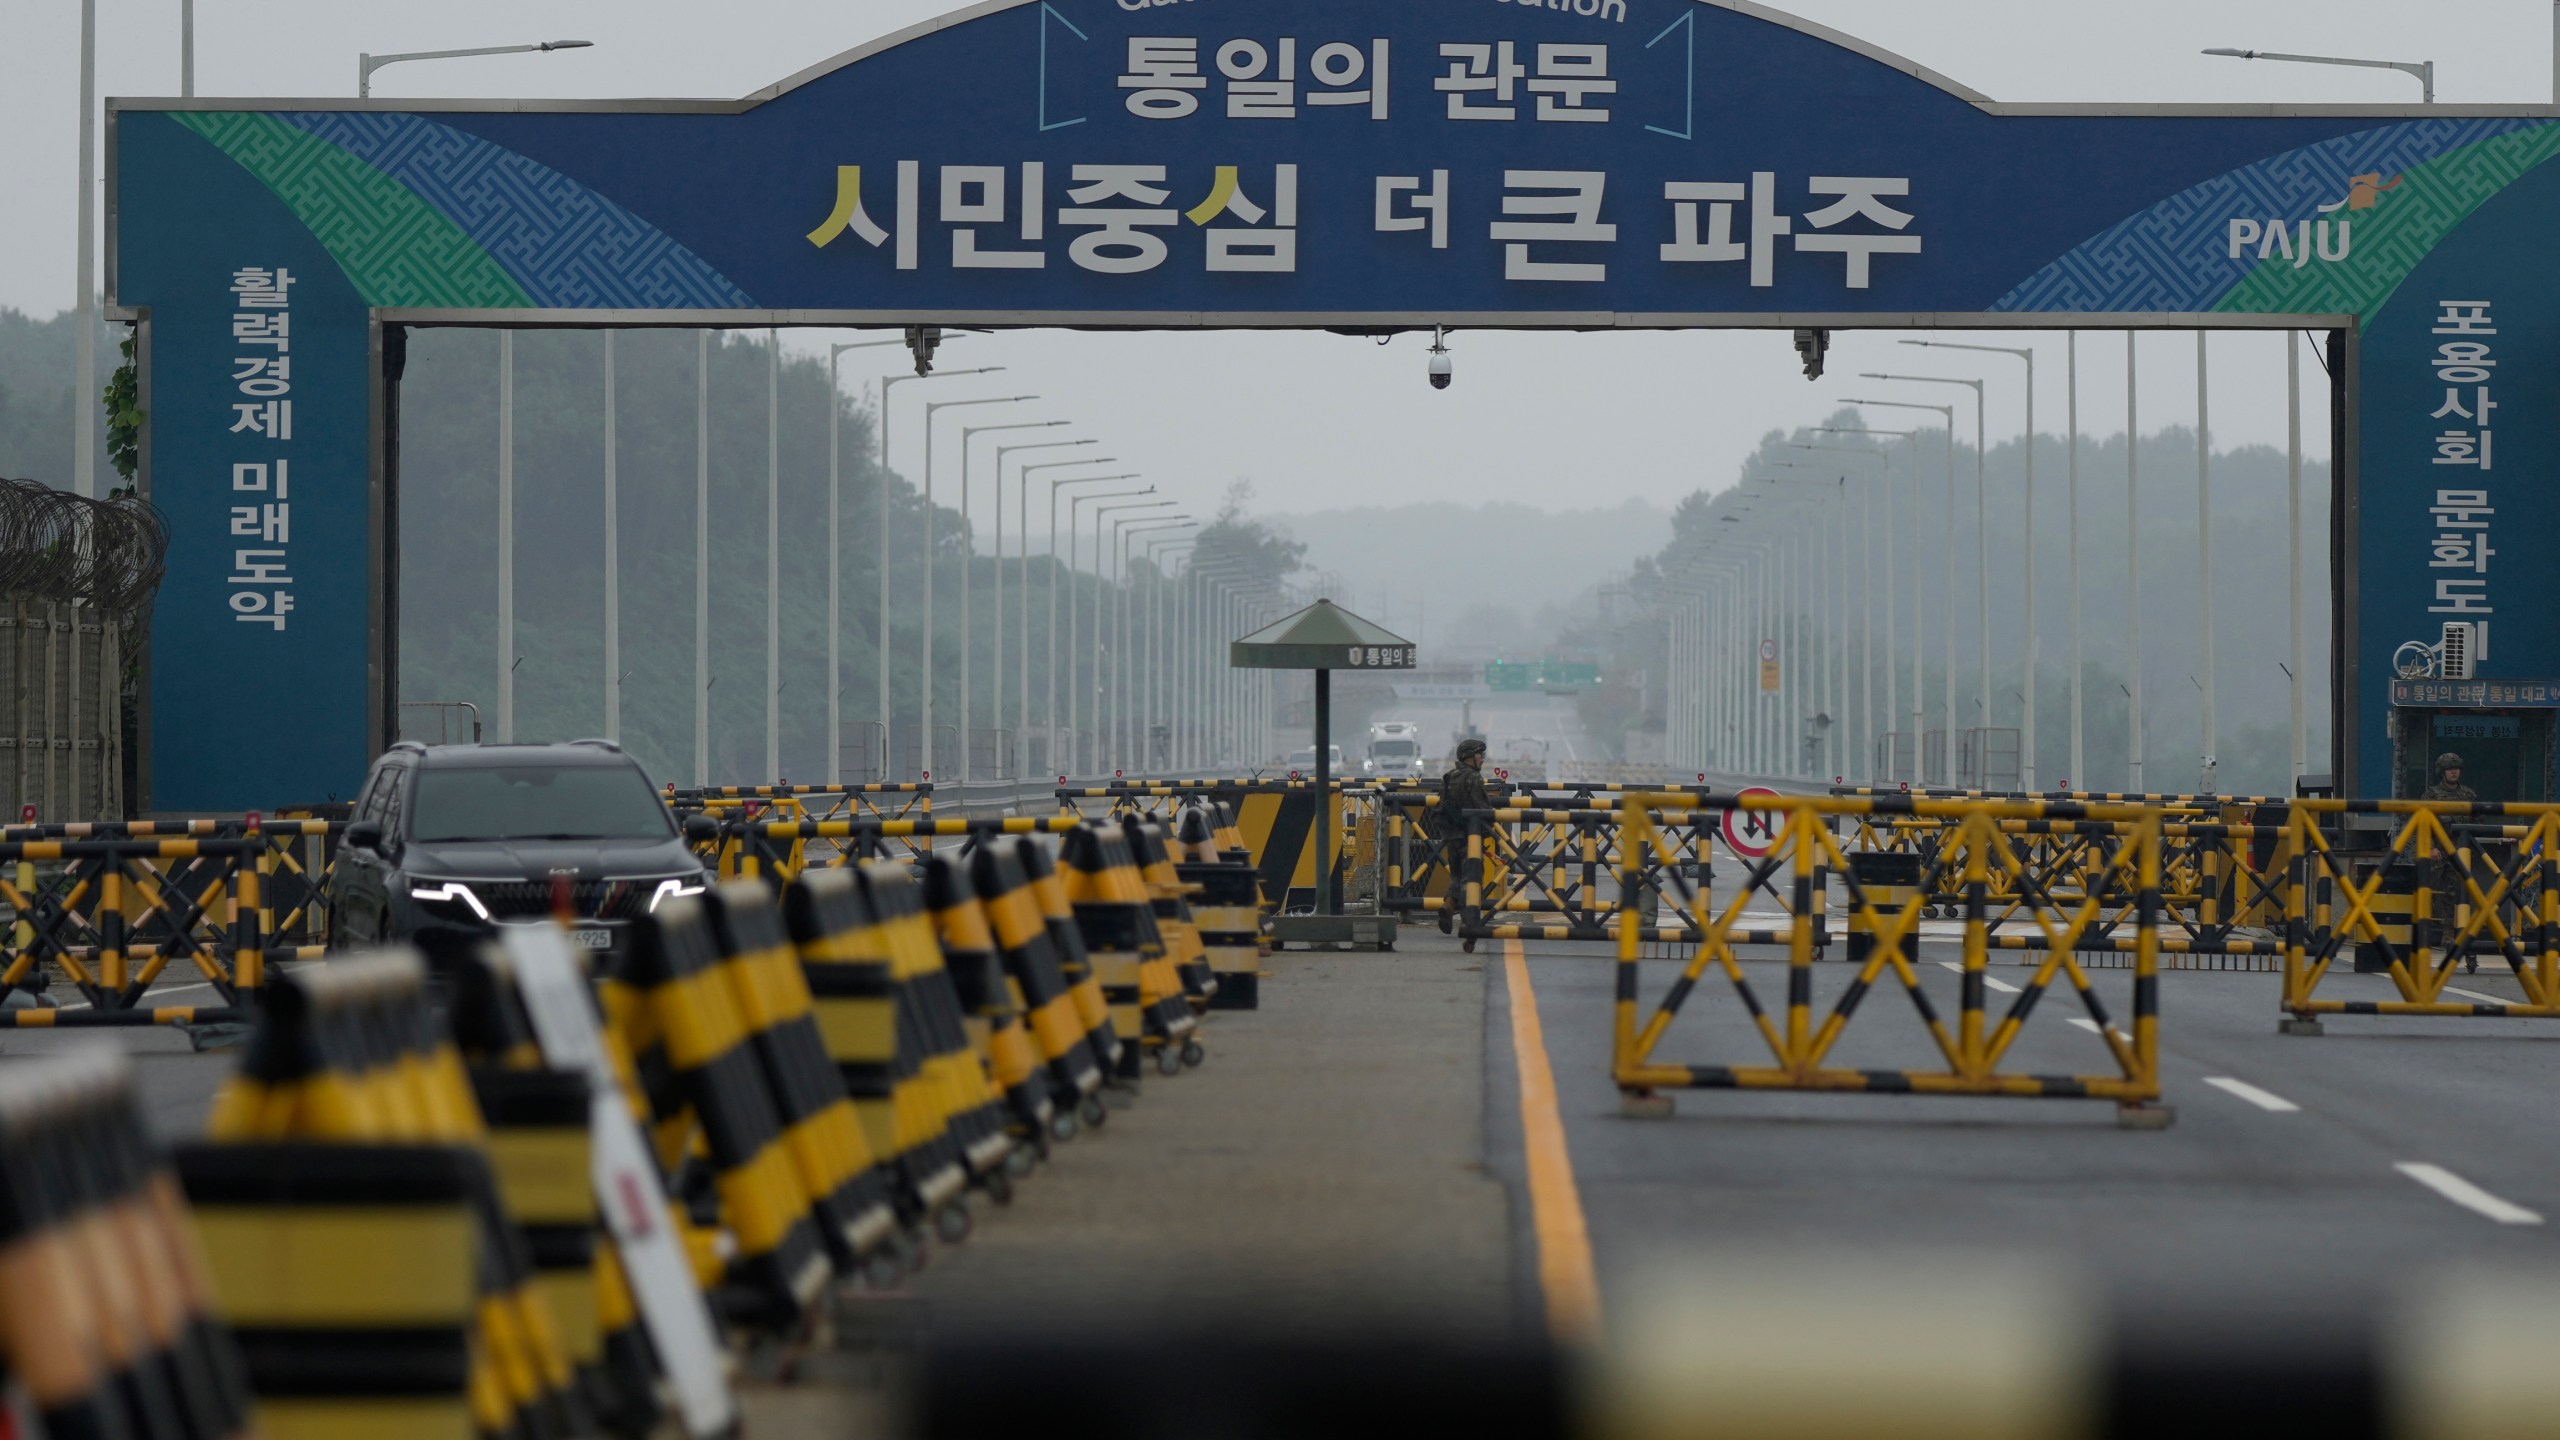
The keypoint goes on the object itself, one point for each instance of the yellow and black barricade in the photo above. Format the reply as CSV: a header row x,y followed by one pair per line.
x,y
819,1126
874,1040
1039,985
1800,1048
350,1053
349,1273
540,1151
778,1267
1226,906
1130,952
930,1011
1076,964
107,1312
988,1012
1170,895
2501,865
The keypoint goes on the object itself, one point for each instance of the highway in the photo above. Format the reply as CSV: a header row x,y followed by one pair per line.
x,y
2340,1166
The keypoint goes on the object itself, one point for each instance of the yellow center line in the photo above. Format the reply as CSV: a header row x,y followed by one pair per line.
x,y
1565,1273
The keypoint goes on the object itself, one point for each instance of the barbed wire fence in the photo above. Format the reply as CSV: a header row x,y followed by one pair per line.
x,y
77,581
105,555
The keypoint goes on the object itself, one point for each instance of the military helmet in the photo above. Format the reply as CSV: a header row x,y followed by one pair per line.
x,y
2448,761
1470,746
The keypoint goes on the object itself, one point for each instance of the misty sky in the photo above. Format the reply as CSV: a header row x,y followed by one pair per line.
x,y
1557,421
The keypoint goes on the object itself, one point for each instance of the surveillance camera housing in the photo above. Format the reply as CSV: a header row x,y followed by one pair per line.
x,y
1440,370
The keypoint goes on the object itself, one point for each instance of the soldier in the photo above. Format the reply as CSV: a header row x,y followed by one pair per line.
x,y
1461,789
2446,876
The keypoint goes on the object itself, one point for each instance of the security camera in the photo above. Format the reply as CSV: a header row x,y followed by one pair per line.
x,y
1440,368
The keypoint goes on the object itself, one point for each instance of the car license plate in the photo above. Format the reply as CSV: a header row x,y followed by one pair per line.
x,y
591,937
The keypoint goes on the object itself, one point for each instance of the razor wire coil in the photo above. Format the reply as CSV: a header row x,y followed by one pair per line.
x,y
106,554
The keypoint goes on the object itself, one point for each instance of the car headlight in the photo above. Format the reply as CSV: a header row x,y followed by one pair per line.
x,y
674,887
448,892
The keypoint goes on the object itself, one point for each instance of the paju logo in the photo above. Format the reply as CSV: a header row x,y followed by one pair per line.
x,y
2300,241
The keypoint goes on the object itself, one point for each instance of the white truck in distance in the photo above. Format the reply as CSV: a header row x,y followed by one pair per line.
x,y
1395,749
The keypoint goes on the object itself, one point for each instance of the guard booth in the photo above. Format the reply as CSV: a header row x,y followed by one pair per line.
x,y
1324,638
2502,729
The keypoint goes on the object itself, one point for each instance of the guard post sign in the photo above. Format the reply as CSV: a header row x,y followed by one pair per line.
x,y
1313,164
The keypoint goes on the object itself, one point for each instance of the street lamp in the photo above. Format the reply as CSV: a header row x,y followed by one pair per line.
x,y
1123,687
1982,543
925,762
1049,710
1159,689
1075,692
2027,691
882,530
2424,70
1867,589
1821,617
1022,577
968,563
1892,686
1919,683
367,64
835,564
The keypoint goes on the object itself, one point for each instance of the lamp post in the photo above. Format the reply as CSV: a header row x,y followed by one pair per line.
x,y
2423,70
1982,569
1159,703
882,524
367,64
1892,689
1127,667
2204,557
1830,591
1022,586
1866,600
1947,620
2027,691
1075,709
835,561
1075,695
2133,571
1802,577
968,564
84,304
1049,711
930,408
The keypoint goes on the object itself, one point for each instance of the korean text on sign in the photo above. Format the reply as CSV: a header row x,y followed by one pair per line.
x,y
261,518
2464,365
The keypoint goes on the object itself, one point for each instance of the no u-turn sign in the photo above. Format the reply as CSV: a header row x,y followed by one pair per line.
x,y
1752,833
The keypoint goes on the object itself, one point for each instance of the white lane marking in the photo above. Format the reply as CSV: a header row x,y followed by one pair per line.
x,y
2085,1023
155,990
2263,1099
2467,1195
2003,986
2483,997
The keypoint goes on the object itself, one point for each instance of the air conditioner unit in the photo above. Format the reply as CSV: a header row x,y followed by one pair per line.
x,y
2455,663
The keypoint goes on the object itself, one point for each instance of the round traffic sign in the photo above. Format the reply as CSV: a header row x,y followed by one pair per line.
x,y
1752,833
1768,649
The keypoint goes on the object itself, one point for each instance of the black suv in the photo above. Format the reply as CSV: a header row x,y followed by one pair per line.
x,y
447,842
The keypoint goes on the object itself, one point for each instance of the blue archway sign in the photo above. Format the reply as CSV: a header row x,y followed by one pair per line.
x,y
1316,163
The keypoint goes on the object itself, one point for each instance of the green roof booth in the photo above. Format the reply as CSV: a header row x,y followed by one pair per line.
x,y
1324,638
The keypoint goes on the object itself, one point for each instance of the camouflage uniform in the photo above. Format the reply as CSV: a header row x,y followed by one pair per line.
x,y
2445,871
1462,789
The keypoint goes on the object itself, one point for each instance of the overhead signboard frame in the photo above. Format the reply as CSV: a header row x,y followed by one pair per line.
x,y
1338,164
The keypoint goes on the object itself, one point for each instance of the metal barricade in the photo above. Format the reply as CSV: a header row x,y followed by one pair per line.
x,y
1799,1047
2499,864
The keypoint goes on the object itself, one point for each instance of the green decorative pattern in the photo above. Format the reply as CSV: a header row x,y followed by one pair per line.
x,y
397,249
2390,239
